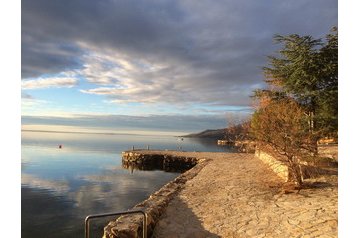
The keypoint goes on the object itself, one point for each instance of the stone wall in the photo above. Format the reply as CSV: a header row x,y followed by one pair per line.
x,y
308,169
149,161
279,167
154,206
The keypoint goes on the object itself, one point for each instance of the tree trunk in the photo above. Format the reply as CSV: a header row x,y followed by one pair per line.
x,y
296,170
314,138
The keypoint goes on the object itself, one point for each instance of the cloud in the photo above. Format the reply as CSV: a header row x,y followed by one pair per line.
x,y
113,123
128,80
55,82
30,102
173,51
44,56
26,96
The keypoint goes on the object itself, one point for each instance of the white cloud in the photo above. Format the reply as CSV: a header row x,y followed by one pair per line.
x,y
28,102
182,51
123,78
53,82
102,91
146,124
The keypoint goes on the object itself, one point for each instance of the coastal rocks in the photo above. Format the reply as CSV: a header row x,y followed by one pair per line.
x,y
155,205
120,229
225,142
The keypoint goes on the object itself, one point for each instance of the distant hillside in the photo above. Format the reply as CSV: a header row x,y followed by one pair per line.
x,y
212,134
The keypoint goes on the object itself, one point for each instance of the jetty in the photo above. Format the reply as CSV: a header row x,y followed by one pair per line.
x,y
228,195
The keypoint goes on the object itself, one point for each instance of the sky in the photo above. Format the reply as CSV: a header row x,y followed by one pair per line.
x,y
152,65
56,37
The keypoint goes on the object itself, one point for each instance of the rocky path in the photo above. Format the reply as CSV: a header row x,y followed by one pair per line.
x,y
236,195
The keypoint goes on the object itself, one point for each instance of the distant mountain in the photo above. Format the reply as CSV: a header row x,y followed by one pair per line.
x,y
212,134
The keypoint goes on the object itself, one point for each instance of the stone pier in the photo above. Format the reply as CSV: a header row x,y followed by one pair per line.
x,y
149,160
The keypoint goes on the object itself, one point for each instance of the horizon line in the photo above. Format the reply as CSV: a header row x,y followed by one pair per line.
x,y
98,133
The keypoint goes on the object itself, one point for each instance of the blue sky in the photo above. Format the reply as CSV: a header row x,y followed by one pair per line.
x,y
169,66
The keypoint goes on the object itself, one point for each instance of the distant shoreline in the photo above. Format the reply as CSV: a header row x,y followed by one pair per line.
x,y
95,133
208,134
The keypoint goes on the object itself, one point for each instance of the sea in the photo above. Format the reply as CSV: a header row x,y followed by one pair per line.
x,y
67,176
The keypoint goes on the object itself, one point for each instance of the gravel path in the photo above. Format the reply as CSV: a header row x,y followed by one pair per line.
x,y
236,195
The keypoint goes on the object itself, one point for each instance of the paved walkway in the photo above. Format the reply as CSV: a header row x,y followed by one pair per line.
x,y
236,195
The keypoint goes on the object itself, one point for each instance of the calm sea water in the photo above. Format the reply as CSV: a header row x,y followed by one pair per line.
x,y
60,187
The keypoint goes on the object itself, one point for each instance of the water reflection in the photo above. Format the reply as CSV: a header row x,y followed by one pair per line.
x,y
60,187
116,143
150,167
56,187
60,206
39,207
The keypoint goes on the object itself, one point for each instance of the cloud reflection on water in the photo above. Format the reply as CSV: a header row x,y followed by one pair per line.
x,y
32,181
62,186
59,206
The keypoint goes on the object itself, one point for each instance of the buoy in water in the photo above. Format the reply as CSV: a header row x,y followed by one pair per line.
x,y
60,146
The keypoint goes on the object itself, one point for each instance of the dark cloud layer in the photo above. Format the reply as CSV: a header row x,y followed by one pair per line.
x,y
154,122
217,46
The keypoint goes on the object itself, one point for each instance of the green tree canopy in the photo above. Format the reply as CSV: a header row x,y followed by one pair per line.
x,y
307,70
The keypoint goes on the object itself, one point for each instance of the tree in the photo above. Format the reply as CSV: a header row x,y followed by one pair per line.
x,y
301,103
282,124
237,129
232,129
327,110
306,69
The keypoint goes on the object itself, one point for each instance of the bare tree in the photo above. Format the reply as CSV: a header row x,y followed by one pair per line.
x,y
282,124
233,128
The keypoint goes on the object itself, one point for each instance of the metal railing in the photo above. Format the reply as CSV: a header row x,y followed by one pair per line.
x,y
88,218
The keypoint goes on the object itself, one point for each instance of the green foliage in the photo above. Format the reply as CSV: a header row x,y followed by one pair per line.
x,y
302,103
272,94
307,70
327,110
296,69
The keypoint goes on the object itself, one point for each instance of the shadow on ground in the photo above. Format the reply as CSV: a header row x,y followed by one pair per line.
x,y
179,221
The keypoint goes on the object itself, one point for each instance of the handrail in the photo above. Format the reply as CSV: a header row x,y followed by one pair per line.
x,y
89,217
